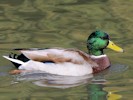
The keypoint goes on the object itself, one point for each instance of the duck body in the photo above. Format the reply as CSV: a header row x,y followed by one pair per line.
x,y
70,62
64,62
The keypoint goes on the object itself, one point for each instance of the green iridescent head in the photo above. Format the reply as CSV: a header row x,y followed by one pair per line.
x,y
98,41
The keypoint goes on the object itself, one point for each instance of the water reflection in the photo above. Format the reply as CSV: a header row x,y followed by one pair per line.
x,y
51,80
96,92
94,88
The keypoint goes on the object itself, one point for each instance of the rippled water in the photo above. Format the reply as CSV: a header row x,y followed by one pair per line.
x,y
66,23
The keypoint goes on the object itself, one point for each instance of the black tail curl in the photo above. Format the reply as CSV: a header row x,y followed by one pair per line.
x,y
19,57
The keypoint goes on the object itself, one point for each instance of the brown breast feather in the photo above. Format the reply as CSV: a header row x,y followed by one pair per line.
x,y
102,62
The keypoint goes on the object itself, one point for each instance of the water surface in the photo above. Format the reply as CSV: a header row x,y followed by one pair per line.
x,y
57,23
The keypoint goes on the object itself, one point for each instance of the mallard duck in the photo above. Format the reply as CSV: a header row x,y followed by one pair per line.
x,y
70,62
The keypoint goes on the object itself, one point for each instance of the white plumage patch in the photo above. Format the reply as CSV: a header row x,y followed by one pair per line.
x,y
96,57
66,68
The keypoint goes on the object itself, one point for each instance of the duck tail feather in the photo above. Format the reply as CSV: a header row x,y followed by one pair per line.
x,y
14,60
17,60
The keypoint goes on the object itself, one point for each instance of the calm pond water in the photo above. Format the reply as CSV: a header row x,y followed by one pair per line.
x,y
66,23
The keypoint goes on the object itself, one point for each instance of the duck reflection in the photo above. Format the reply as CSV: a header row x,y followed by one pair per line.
x,y
96,92
93,83
57,81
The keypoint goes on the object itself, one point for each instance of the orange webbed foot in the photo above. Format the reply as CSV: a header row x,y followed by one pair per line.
x,y
16,71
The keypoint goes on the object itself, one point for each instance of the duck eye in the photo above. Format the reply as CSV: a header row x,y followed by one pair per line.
x,y
105,37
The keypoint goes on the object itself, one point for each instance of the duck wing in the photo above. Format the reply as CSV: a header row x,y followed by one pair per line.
x,y
58,55
43,55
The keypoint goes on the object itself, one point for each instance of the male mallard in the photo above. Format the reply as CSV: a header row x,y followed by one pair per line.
x,y
71,62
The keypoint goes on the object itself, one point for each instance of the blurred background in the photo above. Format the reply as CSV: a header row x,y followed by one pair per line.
x,y
67,24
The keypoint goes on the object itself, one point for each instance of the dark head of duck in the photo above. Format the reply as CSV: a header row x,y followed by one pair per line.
x,y
98,41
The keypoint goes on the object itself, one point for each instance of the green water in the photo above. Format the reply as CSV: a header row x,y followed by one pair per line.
x,y
67,23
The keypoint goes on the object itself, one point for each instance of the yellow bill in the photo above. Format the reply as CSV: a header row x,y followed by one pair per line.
x,y
114,47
